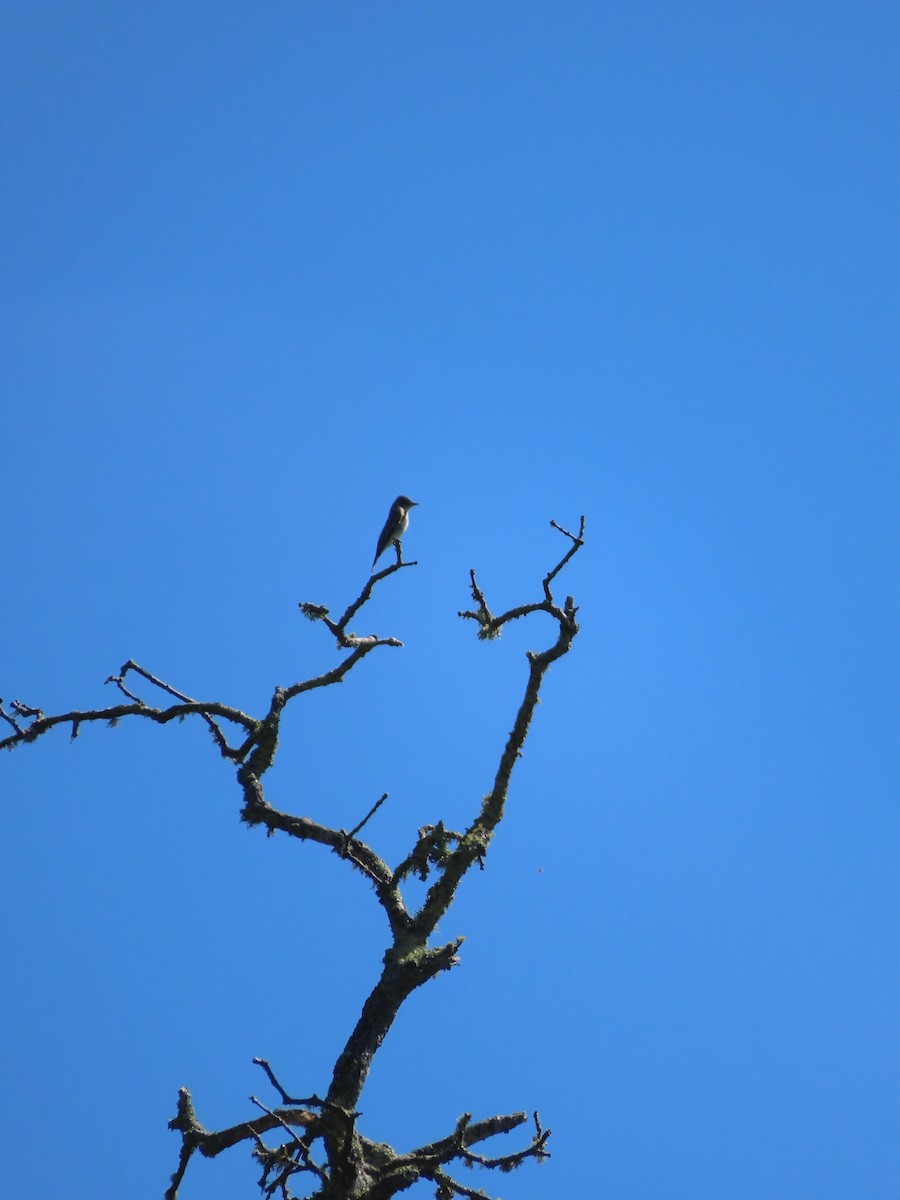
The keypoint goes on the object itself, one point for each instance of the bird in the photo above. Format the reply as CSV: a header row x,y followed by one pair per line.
x,y
395,526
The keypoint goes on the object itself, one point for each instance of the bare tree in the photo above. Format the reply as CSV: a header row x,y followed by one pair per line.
x,y
313,1142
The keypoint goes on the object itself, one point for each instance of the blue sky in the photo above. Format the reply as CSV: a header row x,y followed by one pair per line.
x,y
264,266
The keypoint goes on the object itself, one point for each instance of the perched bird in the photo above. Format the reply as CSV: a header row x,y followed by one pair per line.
x,y
395,526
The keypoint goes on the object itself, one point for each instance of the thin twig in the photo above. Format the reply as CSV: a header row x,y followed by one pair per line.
x,y
290,1101
131,665
318,612
276,1116
10,720
215,729
577,543
303,1149
371,813
119,682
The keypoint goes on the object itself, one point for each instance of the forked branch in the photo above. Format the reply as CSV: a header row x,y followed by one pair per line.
x,y
29,723
349,1166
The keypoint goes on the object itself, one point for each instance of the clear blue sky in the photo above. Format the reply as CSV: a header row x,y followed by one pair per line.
x,y
265,265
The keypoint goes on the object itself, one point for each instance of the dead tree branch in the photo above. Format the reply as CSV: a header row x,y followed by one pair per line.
x,y
353,1167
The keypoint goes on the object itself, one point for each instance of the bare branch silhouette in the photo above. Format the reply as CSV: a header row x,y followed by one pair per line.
x,y
349,1166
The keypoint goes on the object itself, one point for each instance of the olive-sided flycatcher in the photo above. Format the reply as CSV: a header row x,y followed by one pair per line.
x,y
395,526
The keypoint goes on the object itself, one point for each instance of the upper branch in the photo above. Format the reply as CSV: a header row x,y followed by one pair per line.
x,y
318,612
28,723
577,541
257,812
336,674
472,846
491,626
206,708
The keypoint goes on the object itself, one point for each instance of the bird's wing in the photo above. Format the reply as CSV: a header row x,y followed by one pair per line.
x,y
385,536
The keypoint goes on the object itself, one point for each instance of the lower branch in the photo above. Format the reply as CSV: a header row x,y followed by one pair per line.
x,y
428,1162
357,1168
195,1137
